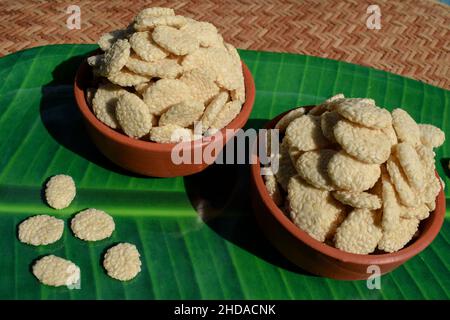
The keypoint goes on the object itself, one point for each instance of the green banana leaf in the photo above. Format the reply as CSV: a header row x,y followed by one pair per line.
x,y
197,235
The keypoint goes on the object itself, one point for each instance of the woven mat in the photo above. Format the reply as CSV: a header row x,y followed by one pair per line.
x,y
414,39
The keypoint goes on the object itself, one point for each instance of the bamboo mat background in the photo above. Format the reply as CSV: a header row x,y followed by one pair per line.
x,y
414,40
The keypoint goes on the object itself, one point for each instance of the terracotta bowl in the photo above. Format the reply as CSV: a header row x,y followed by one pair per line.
x,y
150,158
324,260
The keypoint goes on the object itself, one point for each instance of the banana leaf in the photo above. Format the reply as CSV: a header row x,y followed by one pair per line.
x,y
197,235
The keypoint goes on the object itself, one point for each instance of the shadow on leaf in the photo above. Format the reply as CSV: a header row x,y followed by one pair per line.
x,y
62,119
221,197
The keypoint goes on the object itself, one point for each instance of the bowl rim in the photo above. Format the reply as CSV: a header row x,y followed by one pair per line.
x,y
237,123
423,241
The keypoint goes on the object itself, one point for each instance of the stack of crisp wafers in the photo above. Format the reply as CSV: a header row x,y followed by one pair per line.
x,y
166,78
355,175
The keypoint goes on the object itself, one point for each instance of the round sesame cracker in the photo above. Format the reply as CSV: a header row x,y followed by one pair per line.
x,y
154,12
431,191
234,54
183,114
170,133
218,63
328,121
115,57
426,155
133,115
397,238
60,191
406,127
146,48
359,233
164,68
165,93
432,186
431,136
348,173
126,78
358,200
312,166
305,134
122,262
104,103
229,111
391,206
175,41
55,271
41,230
367,145
408,196
313,210
205,32
286,169
201,84
213,109
421,212
411,165
364,113
92,225
145,23
288,118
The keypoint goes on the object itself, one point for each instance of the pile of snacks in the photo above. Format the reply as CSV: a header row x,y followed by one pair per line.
x,y
164,73
354,175
121,262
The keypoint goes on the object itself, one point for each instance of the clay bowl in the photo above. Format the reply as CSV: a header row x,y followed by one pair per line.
x,y
150,158
324,260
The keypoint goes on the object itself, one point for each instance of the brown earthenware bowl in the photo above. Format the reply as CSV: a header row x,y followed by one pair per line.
x,y
324,260
150,158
